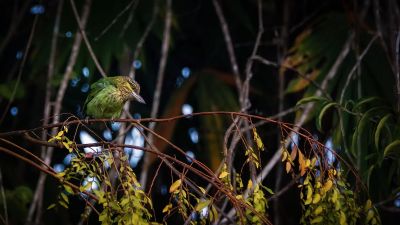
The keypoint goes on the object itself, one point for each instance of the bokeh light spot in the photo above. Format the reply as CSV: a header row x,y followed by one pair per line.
x,y
185,72
37,9
14,111
187,109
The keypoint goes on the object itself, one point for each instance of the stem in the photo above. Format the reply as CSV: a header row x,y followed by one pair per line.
x,y
3,196
139,45
229,45
157,91
81,25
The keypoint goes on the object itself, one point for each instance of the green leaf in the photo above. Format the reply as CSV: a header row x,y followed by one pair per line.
x,y
322,113
310,99
51,206
392,150
68,189
379,128
367,102
64,197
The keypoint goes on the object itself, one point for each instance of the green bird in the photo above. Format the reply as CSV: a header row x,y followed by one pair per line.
x,y
108,96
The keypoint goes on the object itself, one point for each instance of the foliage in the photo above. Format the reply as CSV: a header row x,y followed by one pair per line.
x,y
125,203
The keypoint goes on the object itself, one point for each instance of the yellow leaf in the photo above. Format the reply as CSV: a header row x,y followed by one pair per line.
x,y
318,210
284,155
370,215
59,135
313,161
66,145
175,186
309,195
307,180
167,208
368,205
308,163
202,205
257,139
316,199
327,185
68,189
294,153
342,218
302,167
223,175
334,196
288,167
249,184
202,190
317,220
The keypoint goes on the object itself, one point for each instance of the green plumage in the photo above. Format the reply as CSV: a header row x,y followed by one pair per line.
x,y
108,96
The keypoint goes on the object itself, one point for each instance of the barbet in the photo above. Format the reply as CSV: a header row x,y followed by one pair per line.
x,y
108,96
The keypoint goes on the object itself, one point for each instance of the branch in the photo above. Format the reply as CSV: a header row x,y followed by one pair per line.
x,y
15,21
397,77
157,91
3,196
139,45
115,19
229,45
305,77
357,65
81,25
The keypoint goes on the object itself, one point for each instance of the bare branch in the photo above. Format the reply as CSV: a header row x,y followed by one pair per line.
x,y
397,77
81,25
116,19
139,45
157,91
357,65
15,21
3,196
229,45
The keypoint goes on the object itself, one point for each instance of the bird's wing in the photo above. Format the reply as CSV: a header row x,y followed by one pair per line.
x,y
95,88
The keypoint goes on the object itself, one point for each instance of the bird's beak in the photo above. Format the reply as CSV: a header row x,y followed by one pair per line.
x,y
138,98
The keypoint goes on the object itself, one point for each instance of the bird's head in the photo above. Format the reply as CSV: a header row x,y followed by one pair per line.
x,y
134,90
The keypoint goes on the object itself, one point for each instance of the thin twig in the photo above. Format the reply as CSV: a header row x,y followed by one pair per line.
x,y
139,45
229,45
282,50
50,71
81,26
398,70
15,21
115,19
21,68
3,196
305,77
355,67
157,91
129,20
